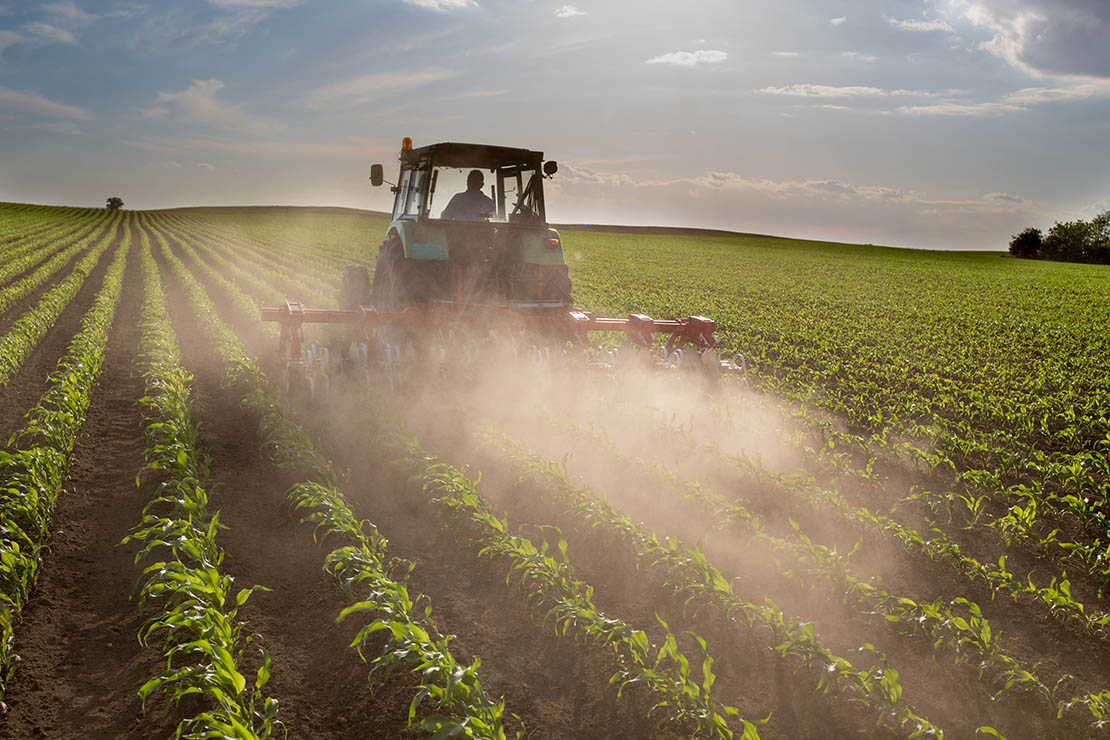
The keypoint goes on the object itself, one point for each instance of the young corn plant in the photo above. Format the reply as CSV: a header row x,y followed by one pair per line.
x,y
196,617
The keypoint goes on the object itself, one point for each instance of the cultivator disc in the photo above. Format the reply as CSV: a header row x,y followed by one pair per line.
x,y
437,338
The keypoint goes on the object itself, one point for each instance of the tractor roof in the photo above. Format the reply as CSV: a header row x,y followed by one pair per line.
x,y
452,154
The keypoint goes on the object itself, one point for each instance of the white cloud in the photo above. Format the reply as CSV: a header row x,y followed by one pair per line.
x,y
442,4
826,188
171,163
807,90
837,21
914,25
50,33
63,21
789,54
569,11
690,59
1018,100
368,87
31,102
198,104
958,109
236,19
1037,95
858,56
206,166
69,14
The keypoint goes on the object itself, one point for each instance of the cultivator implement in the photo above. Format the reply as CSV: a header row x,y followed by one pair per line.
x,y
467,272
438,333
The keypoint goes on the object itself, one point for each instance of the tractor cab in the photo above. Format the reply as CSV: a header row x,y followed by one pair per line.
x,y
468,226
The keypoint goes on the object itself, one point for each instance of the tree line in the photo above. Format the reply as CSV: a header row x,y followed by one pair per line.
x,y
1072,241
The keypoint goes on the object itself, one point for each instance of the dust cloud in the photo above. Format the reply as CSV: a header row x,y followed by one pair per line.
x,y
623,429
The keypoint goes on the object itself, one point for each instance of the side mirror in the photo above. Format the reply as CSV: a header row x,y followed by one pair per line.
x,y
377,177
550,167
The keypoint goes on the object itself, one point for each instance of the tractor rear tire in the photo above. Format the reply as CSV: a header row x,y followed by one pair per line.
x,y
356,288
389,291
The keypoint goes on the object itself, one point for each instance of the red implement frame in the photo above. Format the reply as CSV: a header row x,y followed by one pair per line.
x,y
440,319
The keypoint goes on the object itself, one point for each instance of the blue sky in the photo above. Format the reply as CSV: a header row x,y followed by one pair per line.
x,y
931,123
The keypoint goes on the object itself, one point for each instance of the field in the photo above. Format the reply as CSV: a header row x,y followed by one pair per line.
x,y
895,525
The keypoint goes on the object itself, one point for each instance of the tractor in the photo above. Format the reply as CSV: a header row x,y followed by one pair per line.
x,y
450,242
469,255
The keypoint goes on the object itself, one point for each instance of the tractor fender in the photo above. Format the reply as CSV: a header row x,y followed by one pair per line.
x,y
542,248
420,241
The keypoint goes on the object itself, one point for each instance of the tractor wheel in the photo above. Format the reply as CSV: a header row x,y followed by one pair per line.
x,y
355,290
390,292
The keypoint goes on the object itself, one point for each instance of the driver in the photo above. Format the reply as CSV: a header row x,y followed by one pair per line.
x,y
471,204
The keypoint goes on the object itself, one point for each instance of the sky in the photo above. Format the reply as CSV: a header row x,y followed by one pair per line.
x,y
948,124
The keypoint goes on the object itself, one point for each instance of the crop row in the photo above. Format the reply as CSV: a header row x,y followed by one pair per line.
x,y
18,290
287,262
28,225
333,241
28,330
33,246
196,616
31,477
246,276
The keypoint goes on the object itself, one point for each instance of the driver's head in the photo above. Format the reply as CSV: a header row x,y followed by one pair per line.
x,y
475,180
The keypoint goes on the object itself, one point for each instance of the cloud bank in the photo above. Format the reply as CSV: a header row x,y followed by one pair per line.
x,y
689,59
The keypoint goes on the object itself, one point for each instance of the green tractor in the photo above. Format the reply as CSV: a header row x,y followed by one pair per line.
x,y
468,229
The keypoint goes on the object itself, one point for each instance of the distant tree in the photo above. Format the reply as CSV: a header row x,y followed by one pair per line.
x,y
1068,241
114,203
1027,244
1100,238
1071,241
